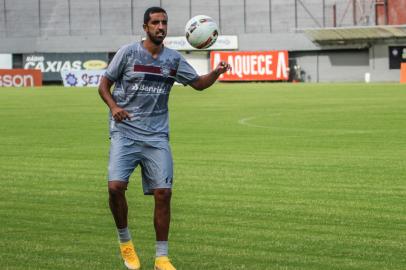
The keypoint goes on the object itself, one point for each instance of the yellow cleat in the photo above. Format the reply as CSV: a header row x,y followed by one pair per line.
x,y
129,256
163,263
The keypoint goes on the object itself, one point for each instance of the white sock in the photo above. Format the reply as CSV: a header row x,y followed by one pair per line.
x,y
161,248
124,235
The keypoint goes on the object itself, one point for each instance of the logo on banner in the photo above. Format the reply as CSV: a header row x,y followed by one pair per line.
x,y
38,62
81,78
95,64
71,79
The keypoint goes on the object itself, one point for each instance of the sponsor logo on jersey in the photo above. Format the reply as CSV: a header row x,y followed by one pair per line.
x,y
150,88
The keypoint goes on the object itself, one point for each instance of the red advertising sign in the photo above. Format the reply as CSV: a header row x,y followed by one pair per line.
x,y
20,77
403,72
253,66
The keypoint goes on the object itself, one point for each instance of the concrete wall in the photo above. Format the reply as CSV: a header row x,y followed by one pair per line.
x,y
93,21
103,43
344,66
333,66
231,13
35,18
379,64
3,25
349,65
6,61
55,18
139,7
200,61
23,18
281,41
116,17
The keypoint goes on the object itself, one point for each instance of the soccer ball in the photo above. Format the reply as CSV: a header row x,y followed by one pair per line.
x,y
201,31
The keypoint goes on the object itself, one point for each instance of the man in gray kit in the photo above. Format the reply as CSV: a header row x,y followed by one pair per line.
x,y
143,74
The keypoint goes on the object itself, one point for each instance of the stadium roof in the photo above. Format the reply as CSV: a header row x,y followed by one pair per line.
x,y
343,35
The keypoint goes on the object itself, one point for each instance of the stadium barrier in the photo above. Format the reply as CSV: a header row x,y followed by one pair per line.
x,y
20,78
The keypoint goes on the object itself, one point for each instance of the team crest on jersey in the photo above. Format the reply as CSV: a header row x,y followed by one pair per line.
x,y
165,71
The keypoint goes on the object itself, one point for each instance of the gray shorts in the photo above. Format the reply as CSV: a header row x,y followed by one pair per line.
x,y
154,157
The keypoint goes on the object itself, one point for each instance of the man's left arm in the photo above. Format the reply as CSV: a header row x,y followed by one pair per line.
x,y
207,80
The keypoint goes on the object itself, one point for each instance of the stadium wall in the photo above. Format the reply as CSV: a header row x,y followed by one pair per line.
x,y
333,65
379,63
43,18
6,61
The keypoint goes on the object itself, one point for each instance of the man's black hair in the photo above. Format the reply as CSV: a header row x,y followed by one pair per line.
x,y
150,11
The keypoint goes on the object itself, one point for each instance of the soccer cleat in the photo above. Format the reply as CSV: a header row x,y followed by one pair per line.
x,y
163,263
129,256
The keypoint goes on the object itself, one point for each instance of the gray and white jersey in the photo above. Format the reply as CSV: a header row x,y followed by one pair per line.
x,y
142,87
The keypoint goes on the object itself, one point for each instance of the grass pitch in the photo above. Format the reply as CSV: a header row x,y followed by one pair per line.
x,y
267,176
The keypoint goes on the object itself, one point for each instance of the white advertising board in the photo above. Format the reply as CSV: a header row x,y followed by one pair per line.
x,y
222,43
81,78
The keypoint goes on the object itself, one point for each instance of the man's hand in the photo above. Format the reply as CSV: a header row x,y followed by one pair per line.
x,y
119,114
207,80
222,67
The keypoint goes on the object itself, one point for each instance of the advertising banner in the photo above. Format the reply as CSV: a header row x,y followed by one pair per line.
x,y
51,64
20,78
253,66
81,78
403,73
222,43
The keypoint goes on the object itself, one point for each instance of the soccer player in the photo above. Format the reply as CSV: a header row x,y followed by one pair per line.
x,y
143,74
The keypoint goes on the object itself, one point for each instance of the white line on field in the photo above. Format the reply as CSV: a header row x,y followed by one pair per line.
x,y
246,122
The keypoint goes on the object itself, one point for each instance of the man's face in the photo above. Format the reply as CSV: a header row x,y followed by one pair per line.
x,y
157,27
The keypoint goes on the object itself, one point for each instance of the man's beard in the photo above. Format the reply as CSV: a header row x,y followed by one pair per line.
x,y
155,40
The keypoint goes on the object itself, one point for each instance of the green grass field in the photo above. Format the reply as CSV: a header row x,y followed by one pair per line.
x,y
267,176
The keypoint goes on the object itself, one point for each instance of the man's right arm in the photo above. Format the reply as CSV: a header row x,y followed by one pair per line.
x,y
118,113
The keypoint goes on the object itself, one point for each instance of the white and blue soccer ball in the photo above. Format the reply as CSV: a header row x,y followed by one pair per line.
x,y
201,31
